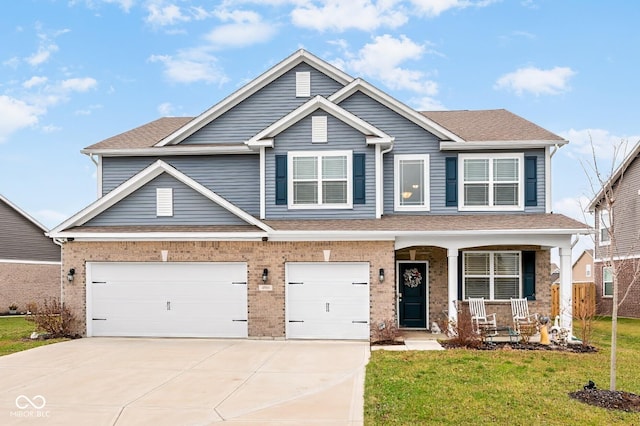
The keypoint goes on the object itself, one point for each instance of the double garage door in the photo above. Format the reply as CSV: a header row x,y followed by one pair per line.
x,y
323,300
167,299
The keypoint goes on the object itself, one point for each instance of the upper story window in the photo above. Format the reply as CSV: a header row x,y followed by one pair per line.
x,y
491,182
411,175
604,226
494,275
607,281
587,271
320,179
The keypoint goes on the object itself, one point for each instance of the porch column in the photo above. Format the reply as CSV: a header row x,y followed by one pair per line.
x,y
566,290
452,273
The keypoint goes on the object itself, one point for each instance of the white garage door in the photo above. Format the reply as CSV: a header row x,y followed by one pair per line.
x,y
167,299
327,300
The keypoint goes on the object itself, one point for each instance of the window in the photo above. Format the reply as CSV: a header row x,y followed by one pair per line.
x,y
164,202
491,182
587,271
411,182
303,84
604,225
607,282
320,179
492,275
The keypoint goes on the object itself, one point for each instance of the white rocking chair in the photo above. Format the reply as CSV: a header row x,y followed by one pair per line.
x,y
521,316
482,323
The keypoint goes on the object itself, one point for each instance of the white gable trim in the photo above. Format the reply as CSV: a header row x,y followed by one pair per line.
x,y
499,145
372,133
137,182
254,86
23,213
395,105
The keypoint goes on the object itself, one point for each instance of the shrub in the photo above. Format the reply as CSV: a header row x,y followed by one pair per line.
x,y
463,334
387,331
52,317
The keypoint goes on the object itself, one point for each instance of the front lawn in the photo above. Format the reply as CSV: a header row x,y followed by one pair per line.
x,y
461,386
14,335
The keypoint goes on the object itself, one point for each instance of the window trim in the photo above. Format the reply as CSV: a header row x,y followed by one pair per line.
x,y
319,154
587,271
492,275
426,206
601,228
604,282
461,182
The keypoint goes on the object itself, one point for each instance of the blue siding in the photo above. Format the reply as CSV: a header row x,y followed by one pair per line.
x,y
234,177
189,208
263,108
341,136
412,139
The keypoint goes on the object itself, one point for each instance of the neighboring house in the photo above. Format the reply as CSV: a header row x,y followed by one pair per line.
x,y
29,261
618,238
310,204
583,268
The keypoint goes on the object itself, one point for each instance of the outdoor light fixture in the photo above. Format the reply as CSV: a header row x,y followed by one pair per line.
x,y
265,274
71,273
381,275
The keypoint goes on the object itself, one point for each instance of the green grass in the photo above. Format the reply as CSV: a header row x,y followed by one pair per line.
x,y
14,335
463,386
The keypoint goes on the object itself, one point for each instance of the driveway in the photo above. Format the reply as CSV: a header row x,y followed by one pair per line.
x,y
127,381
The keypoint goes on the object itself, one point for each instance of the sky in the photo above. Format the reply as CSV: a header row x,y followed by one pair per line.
x,y
75,72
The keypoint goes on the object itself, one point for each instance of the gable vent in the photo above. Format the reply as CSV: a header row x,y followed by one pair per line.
x,y
319,129
164,201
303,84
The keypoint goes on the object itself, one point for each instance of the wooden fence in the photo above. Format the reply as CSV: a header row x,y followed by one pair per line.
x,y
584,300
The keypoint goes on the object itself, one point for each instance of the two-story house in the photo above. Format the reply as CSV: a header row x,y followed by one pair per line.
x,y
311,204
618,238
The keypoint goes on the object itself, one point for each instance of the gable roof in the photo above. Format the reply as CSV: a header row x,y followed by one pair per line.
x,y
23,213
265,137
495,128
128,187
635,152
144,136
249,89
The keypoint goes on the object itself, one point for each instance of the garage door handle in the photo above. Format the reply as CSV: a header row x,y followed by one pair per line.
x,y
99,319
360,322
295,283
360,283
239,320
296,320
168,306
239,282
326,307
98,282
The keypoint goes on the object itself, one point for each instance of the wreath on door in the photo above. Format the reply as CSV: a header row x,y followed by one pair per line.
x,y
412,277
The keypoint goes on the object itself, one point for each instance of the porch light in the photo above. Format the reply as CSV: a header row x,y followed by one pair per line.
x,y
265,274
70,274
381,275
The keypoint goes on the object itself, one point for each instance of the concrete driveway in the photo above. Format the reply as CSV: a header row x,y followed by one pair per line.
x,y
126,381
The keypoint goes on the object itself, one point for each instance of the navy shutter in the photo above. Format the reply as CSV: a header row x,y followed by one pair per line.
x,y
281,179
460,280
529,275
359,196
451,177
530,181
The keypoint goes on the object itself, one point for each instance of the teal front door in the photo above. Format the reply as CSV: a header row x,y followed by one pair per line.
x,y
412,293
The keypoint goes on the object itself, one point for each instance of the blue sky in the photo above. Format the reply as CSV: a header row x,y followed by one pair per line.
x,y
74,72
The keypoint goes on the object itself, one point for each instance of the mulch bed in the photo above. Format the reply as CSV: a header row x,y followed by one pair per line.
x,y
611,400
506,346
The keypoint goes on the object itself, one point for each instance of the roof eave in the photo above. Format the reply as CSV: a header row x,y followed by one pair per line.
x,y
169,150
499,145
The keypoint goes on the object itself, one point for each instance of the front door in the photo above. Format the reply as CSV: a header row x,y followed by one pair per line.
x,y
412,294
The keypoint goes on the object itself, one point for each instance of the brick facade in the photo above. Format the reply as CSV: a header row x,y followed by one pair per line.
x,y
626,270
266,308
23,283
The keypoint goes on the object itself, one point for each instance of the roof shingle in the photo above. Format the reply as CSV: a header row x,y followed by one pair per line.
x,y
144,136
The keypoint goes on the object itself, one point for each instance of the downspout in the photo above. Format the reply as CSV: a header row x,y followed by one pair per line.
x,y
380,179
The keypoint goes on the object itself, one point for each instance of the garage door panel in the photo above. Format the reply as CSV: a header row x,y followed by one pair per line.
x,y
328,300
169,299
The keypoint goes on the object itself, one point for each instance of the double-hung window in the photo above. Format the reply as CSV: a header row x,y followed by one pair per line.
x,y
607,281
491,182
320,179
494,275
604,227
411,182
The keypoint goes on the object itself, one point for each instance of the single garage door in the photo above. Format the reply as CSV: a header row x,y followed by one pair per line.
x,y
327,300
167,299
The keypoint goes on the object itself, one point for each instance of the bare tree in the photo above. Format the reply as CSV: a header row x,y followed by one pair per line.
x,y
607,188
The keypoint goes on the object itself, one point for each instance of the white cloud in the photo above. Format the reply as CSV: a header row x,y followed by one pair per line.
x,y
165,109
190,66
574,207
15,115
534,80
89,110
78,84
162,15
426,103
246,28
34,81
125,5
50,218
42,55
395,51
587,142
433,8
340,15
51,128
